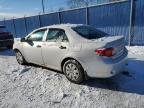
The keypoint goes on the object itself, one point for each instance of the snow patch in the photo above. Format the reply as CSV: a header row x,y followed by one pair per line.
x,y
34,87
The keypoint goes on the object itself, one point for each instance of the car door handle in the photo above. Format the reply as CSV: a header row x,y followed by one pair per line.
x,y
38,46
62,47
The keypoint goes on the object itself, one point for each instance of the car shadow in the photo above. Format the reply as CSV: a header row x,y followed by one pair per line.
x,y
131,81
6,52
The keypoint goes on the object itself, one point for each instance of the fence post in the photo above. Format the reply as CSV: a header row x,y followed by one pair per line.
x,y
59,18
131,21
25,25
39,20
14,26
4,22
87,16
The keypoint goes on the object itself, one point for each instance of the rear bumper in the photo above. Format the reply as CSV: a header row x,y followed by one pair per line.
x,y
112,70
104,69
5,43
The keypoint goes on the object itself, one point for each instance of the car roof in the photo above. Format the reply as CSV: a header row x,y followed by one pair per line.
x,y
62,26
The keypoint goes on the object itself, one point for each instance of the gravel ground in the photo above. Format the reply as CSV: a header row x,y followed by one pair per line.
x,y
36,87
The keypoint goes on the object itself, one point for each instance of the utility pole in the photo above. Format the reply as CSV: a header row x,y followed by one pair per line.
x,y
43,8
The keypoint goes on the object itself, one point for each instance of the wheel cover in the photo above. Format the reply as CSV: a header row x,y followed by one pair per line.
x,y
19,57
72,71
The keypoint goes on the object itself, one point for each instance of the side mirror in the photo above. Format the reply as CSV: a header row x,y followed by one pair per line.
x,y
23,40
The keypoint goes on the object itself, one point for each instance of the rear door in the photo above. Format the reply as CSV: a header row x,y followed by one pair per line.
x,y
33,47
55,48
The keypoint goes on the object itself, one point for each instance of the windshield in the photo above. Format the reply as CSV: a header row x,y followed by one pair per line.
x,y
89,32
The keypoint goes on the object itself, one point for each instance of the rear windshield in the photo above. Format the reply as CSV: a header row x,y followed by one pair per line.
x,y
89,32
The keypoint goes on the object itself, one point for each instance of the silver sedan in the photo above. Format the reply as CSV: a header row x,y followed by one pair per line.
x,y
79,51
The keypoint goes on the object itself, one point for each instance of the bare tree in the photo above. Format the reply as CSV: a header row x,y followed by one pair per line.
x,y
115,0
79,3
84,3
61,9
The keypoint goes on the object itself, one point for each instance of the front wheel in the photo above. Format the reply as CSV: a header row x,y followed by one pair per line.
x,y
20,58
73,71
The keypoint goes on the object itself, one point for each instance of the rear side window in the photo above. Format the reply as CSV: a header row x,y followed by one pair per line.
x,y
56,35
89,32
36,36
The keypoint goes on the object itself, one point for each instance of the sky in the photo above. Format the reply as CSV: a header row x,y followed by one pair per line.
x,y
19,8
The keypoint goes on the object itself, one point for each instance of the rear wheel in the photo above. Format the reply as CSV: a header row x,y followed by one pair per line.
x,y
20,58
73,71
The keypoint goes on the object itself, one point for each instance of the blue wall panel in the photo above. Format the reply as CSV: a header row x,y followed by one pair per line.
x,y
49,19
20,27
10,27
32,23
112,18
74,16
1,22
138,36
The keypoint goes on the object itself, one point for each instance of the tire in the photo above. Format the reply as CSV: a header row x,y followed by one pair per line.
x,y
20,58
73,71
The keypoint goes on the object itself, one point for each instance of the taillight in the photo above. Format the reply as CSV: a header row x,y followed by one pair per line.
x,y
105,52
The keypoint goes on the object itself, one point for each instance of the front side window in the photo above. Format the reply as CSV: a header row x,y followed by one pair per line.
x,y
89,32
37,36
56,35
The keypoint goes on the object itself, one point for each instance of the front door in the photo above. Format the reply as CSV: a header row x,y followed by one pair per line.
x,y
33,47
